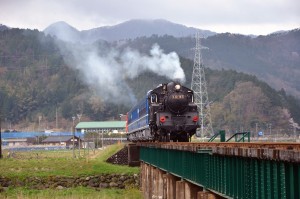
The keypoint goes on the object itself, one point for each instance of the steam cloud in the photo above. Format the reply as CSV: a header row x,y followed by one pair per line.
x,y
107,69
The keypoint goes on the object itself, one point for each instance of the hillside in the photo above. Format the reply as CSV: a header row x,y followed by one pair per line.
x,y
37,79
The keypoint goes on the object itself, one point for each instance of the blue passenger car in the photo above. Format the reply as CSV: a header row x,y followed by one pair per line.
x,y
138,117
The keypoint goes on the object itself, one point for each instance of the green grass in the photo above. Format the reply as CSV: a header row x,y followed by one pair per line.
x,y
61,163
74,193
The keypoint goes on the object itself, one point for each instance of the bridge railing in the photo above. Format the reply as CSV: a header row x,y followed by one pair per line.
x,y
230,176
238,137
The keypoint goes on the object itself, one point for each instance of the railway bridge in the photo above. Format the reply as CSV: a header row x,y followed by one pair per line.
x,y
220,170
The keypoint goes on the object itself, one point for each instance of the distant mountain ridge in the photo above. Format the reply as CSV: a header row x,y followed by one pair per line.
x,y
126,30
3,27
63,31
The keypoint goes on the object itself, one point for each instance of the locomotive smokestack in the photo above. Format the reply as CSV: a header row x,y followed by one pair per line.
x,y
178,81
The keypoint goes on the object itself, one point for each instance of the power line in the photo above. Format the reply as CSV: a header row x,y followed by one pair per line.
x,y
200,91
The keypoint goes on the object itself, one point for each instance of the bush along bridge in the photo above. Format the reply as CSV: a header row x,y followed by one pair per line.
x,y
219,170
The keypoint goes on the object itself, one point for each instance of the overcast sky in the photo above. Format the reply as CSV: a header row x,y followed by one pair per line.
x,y
236,16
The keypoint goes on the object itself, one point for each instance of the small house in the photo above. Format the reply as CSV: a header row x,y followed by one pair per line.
x,y
102,126
18,142
66,141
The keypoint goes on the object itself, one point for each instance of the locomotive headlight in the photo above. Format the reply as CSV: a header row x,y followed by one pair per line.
x,y
162,119
195,118
177,87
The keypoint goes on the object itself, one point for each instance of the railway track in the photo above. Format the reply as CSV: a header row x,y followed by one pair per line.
x,y
257,145
262,150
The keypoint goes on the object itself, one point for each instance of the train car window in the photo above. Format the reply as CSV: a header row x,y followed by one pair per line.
x,y
142,109
165,87
190,97
153,98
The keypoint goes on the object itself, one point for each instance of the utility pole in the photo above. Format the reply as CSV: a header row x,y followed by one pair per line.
x,y
200,91
40,118
73,129
0,138
102,140
56,118
256,128
79,117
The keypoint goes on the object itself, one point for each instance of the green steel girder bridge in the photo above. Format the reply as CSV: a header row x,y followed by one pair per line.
x,y
226,170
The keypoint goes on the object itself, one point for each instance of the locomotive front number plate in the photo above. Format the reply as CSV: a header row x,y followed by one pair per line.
x,y
178,96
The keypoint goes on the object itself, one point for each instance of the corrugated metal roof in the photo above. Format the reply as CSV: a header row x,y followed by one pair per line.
x,y
101,125
58,138
15,140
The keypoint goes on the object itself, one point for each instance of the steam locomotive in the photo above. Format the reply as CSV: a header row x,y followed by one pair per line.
x,y
167,113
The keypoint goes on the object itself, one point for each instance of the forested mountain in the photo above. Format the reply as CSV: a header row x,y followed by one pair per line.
x,y
36,80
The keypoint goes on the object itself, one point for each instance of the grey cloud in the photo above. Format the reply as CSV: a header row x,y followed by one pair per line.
x,y
96,13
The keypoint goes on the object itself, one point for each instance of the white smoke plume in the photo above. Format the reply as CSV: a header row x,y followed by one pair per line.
x,y
107,69
162,64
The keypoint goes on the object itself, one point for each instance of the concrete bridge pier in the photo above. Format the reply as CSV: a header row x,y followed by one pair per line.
x,y
157,184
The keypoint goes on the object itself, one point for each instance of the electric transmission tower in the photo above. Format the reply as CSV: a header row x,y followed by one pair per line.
x,y
200,91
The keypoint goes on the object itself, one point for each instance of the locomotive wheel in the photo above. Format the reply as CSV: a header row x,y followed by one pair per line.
x,y
168,137
183,137
163,136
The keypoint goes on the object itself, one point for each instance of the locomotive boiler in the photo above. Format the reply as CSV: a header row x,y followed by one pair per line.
x,y
167,113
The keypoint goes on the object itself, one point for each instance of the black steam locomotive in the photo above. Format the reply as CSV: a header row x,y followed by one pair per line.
x,y
167,113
